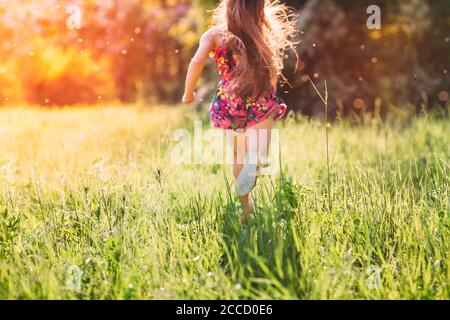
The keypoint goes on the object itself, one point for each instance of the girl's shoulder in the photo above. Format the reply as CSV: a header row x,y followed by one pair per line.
x,y
215,34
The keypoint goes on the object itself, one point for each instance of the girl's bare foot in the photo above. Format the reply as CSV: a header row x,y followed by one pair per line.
x,y
246,180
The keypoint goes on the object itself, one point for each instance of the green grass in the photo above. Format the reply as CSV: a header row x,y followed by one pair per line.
x,y
93,190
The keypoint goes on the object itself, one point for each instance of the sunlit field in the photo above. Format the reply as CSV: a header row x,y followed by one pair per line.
x,y
91,207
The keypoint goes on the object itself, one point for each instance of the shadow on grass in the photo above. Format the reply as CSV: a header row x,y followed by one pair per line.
x,y
263,255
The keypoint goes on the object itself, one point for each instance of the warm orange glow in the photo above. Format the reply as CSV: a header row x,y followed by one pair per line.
x,y
90,51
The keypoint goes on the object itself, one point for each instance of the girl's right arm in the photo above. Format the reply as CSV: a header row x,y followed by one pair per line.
x,y
207,43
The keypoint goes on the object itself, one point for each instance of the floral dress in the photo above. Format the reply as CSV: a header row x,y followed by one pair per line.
x,y
229,111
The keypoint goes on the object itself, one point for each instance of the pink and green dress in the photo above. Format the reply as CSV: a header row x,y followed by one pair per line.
x,y
230,111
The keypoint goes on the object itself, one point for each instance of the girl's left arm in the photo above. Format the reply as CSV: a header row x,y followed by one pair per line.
x,y
207,43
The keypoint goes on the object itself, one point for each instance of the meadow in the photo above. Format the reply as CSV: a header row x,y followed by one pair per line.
x,y
91,207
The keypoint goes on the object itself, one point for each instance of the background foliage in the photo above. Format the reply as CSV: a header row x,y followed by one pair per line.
x,y
138,50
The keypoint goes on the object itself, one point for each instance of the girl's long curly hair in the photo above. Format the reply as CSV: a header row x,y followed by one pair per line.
x,y
259,33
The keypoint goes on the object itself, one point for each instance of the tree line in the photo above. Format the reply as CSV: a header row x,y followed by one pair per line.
x,y
138,50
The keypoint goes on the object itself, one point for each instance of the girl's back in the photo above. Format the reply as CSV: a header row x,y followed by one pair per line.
x,y
231,108
249,51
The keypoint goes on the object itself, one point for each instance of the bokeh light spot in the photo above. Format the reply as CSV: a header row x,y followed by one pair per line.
x,y
359,103
443,96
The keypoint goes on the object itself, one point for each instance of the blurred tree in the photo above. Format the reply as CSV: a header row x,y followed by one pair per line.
x,y
403,64
56,76
143,46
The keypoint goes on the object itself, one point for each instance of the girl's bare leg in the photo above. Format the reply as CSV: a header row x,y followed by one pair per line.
x,y
261,134
255,141
238,143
